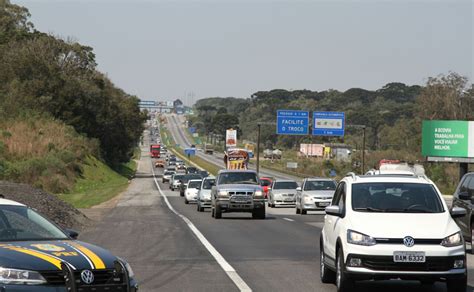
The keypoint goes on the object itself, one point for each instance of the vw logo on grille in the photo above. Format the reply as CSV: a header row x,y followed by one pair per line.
x,y
408,241
87,277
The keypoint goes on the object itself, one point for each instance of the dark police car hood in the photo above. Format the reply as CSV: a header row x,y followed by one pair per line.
x,y
48,255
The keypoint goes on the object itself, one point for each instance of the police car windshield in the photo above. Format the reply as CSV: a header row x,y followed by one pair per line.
x,y
396,198
18,223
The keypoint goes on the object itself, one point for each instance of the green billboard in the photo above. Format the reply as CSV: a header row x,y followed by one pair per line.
x,y
448,139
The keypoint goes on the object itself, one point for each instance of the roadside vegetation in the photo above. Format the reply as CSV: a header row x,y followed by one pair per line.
x,y
392,115
64,124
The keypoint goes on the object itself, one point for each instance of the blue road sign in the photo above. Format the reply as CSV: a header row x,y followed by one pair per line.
x,y
292,122
190,151
328,123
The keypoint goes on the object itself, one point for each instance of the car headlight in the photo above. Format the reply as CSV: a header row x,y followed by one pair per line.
x,y
22,277
130,272
355,237
223,194
258,194
307,199
453,240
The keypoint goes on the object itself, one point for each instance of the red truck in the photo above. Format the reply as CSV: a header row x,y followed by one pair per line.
x,y
155,150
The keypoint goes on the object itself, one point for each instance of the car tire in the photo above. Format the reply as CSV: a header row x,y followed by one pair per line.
x,y
212,212
298,210
303,212
343,282
258,213
327,275
457,284
217,212
273,206
181,194
186,201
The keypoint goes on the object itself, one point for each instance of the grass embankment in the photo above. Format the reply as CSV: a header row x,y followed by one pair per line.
x,y
168,140
99,183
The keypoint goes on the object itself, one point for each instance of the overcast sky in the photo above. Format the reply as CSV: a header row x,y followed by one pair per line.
x,y
161,50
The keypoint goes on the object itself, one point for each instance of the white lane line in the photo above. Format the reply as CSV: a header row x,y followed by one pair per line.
x,y
228,269
288,219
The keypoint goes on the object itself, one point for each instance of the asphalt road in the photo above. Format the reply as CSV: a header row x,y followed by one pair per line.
x,y
277,254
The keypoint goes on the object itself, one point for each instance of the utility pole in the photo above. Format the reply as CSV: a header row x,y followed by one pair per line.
x,y
363,149
258,148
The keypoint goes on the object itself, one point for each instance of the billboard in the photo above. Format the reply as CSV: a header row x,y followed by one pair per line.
x,y
328,123
448,139
231,138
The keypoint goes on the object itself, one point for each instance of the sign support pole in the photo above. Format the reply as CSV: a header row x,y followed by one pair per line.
x,y
258,149
463,169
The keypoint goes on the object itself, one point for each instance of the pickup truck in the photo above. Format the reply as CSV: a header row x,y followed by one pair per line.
x,y
237,191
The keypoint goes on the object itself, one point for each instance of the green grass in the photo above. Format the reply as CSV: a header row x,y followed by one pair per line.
x,y
99,183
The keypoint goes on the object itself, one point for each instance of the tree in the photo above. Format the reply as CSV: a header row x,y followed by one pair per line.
x,y
446,97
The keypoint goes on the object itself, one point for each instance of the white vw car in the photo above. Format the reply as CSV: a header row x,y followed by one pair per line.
x,y
391,227
192,189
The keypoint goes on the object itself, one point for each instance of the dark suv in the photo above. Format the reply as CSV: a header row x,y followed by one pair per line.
x,y
184,181
464,198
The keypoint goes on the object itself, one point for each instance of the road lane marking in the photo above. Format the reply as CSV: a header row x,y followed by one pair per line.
x,y
228,269
288,219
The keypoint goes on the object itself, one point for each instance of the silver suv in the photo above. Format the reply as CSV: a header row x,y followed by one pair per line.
x,y
237,191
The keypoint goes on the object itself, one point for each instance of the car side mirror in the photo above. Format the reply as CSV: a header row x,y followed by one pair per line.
x,y
457,212
334,211
298,189
464,196
72,233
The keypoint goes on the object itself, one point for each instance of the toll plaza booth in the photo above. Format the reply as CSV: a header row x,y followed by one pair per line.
x,y
236,159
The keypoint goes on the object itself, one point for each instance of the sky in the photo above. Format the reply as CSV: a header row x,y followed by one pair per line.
x,y
163,50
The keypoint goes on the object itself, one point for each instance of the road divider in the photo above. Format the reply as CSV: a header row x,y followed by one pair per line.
x,y
228,269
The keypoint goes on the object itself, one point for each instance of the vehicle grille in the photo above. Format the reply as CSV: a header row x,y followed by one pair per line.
x,y
241,193
426,241
287,195
101,277
241,199
386,263
323,198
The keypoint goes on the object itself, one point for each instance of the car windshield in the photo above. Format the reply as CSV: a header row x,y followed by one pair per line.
x,y
19,223
319,185
285,185
194,184
169,172
189,177
238,178
396,198
265,182
178,177
208,183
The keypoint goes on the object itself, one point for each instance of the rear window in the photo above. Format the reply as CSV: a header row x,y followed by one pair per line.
x,y
238,178
208,183
396,198
178,177
285,185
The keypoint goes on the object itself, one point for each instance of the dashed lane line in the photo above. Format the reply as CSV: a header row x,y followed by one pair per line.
x,y
228,269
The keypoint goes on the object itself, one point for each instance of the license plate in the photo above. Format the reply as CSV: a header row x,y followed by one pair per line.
x,y
409,257
323,204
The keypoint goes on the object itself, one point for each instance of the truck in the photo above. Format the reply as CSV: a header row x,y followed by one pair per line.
x,y
208,149
155,150
237,191
236,158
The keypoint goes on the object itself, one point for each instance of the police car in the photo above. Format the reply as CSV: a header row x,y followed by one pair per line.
x,y
37,256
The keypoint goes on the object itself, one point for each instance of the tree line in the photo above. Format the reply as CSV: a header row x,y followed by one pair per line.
x,y
41,73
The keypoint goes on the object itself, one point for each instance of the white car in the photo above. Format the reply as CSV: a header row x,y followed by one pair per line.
x,y
191,192
167,175
204,194
282,193
391,227
315,194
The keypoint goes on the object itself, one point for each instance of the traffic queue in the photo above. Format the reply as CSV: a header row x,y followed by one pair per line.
x,y
390,223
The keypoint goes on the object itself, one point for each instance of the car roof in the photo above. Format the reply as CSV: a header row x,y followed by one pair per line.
x,y
10,203
319,178
389,178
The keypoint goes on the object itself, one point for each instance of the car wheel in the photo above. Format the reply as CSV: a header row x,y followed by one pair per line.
x,y
186,201
457,284
298,210
218,212
303,212
327,275
343,282
181,194
258,213
212,212
273,205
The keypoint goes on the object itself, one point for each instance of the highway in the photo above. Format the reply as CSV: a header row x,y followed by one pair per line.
x,y
277,254
175,126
